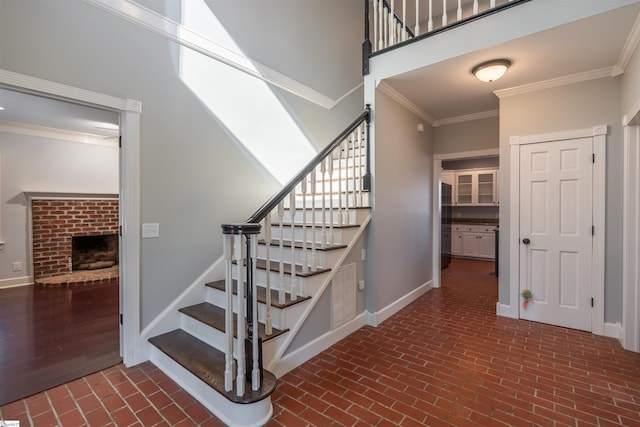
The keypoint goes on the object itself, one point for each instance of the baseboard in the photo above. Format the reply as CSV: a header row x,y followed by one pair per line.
x,y
375,319
506,310
169,318
613,330
297,357
14,282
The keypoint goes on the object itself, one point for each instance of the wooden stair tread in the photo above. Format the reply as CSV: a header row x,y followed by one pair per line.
x,y
214,316
298,245
262,294
208,364
275,266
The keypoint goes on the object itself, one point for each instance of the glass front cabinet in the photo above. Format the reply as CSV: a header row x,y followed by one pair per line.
x,y
476,188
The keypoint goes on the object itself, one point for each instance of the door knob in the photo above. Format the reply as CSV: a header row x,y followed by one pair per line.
x,y
526,241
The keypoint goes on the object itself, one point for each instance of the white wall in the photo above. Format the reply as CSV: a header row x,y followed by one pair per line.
x,y
194,175
399,240
576,106
30,163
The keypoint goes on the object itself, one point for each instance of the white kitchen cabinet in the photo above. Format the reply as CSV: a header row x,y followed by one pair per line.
x,y
456,242
476,188
473,241
448,177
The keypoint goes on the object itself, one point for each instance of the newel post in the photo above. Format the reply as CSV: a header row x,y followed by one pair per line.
x,y
367,178
366,45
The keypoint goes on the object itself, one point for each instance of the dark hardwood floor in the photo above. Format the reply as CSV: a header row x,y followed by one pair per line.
x,y
50,336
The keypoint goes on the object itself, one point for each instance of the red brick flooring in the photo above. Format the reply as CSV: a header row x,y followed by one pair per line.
x,y
444,360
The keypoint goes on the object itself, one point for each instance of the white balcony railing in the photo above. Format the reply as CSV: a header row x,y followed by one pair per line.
x,y
391,22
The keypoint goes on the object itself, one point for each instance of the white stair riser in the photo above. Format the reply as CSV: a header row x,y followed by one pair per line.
x,y
340,235
219,299
350,217
351,200
323,259
236,414
310,283
218,339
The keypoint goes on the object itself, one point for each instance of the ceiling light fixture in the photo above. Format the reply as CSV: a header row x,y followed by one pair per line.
x,y
491,70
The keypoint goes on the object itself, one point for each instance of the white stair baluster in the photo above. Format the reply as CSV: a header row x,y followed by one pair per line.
x,y
303,190
445,18
430,23
314,243
416,31
374,18
492,4
228,318
292,212
268,327
255,371
323,234
340,181
358,202
475,7
240,375
392,23
459,15
354,177
380,18
330,172
281,290
404,20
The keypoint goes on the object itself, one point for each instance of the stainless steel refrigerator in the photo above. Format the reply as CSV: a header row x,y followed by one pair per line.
x,y
445,238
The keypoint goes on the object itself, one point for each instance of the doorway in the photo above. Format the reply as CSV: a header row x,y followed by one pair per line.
x,y
56,327
477,212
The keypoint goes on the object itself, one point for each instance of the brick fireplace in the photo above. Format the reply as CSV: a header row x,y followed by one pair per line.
x,y
58,222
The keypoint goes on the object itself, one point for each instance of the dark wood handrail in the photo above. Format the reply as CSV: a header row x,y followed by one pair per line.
x,y
272,203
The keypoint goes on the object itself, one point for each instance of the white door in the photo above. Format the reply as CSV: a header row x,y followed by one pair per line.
x,y
556,192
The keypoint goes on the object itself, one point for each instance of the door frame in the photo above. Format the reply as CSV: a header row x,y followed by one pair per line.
x,y
631,231
437,205
599,135
130,111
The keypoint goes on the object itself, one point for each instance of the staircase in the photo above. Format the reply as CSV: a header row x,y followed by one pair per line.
x,y
284,256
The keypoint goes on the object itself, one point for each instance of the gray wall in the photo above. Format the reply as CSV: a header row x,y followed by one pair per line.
x,y
319,321
576,106
36,164
631,82
399,241
483,134
194,176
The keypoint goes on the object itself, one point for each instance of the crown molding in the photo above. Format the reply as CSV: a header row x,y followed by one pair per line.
x,y
55,133
467,118
627,51
402,100
171,30
551,83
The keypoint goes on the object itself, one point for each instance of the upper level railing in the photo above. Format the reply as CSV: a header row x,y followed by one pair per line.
x,y
323,193
390,23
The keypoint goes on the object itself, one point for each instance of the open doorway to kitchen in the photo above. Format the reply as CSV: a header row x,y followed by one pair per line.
x,y
59,265
466,221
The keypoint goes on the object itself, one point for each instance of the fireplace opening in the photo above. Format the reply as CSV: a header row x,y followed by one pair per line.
x,y
94,252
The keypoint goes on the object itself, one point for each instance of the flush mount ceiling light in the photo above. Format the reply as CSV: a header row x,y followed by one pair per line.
x,y
491,70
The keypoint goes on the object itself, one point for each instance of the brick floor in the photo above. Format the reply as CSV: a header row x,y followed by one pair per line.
x,y
445,360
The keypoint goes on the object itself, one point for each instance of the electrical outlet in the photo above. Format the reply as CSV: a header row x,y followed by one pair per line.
x,y
361,285
17,266
364,254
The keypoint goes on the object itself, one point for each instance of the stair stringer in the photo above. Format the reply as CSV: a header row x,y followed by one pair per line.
x,y
293,331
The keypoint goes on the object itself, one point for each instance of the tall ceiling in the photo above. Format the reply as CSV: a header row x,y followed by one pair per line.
x,y
448,90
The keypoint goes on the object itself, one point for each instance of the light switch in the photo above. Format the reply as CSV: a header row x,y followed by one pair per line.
x,y
150,230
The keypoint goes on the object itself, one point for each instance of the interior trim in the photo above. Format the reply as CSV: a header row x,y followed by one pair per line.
x,y
129,110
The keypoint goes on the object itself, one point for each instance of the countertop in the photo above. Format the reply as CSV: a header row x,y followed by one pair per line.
x,y
477,221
